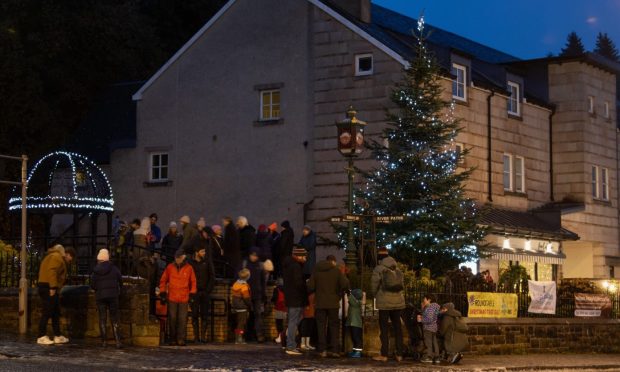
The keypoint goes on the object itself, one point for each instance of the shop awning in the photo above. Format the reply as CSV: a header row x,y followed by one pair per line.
x,y
508,255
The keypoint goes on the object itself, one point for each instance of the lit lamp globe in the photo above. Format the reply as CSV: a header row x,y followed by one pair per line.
x,y
350,134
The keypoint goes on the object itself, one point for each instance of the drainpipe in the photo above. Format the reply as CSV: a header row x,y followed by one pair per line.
x,y
551,195
489,153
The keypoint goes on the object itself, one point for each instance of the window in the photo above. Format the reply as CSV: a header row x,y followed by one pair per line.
x,y
594,181
606,110
459,148
159,166
363,64
514,173
270,104
459,84
591,104
604,184
514,106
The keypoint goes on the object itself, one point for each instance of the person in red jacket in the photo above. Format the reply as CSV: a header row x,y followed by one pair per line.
x,y
177,284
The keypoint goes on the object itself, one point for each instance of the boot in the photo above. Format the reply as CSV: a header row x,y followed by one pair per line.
x,y
103,333
239,338
197,336
117,335
304,343
203,332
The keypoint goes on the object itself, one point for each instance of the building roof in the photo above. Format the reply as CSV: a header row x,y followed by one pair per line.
x,y
109,125
524,224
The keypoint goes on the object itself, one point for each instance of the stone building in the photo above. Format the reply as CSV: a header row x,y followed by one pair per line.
x,y
240,121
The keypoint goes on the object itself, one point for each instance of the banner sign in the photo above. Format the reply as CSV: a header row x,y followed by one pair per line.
x,y
592,305
492,305
544,297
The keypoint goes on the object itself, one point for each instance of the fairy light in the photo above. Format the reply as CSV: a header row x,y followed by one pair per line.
x,y
77,201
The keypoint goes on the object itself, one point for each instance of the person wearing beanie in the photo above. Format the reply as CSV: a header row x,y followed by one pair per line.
x,y
52,276
258,289
177,284
241,303
232,247
454,332
287,239
274,248
308,241
190,236
279,309
295,294
205,281
328,284
107,282
262,243
172,241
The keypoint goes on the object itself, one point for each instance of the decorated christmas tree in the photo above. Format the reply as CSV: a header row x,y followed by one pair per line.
x,y
417,174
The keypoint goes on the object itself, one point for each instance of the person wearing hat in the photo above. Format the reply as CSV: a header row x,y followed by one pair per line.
x,y
258,288
287,239
232,246
295,294
52,276
177,284
454,332
262,242
205,281
107,282
274,245
308,241
241,303
328,284
172,241
190,236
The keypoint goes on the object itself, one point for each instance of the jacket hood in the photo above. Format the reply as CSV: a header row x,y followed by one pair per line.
x,y
102,268
453,312
389,262
324,266
357,293
57,249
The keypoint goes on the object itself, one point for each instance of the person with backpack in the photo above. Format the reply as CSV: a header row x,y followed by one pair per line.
x,y
279,309
387,285
454,332
241,304
430,314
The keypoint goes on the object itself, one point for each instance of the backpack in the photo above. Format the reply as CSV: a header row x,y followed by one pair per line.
x,y
392,280
460,325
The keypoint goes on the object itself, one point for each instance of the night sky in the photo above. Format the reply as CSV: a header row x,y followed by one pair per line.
x,y
524,28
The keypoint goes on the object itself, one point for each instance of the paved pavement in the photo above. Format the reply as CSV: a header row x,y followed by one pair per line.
x,y
27,356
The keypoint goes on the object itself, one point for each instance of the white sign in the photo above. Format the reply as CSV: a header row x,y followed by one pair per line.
x,y
544,297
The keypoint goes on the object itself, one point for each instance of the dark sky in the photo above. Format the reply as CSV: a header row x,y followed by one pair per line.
x,y
524,28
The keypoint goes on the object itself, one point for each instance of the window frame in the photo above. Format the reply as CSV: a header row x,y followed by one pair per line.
x,y
516,185
271,111
159,167
455,82
359,72
509,157
607,115
517,100
595,181
604,183
590,104
520,188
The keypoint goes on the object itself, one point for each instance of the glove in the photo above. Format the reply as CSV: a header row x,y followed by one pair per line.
x,y
163,298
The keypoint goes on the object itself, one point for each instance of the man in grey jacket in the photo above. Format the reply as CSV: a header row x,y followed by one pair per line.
x,y
387,286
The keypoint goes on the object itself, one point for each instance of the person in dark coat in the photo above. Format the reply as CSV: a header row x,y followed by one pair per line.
x,y
263,243
191,237
247,236
205,281
155,230
171,242
258,290
232,248
217,243
328,283
287,239
107,283
274,243
308,241
455,338
295,294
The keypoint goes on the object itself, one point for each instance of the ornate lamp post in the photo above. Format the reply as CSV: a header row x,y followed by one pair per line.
x,y
350,144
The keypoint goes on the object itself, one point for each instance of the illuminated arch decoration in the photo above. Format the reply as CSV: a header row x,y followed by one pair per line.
x,y
63,181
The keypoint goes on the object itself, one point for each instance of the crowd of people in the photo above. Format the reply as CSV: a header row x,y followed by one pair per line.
x,y
310,299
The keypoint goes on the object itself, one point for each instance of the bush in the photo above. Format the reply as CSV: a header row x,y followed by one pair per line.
x,y
514,279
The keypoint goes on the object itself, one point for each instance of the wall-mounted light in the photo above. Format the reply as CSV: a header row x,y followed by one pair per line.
x,y
528,245
549,247
506,244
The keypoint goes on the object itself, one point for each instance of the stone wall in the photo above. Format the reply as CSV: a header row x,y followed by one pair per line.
x,y
525,335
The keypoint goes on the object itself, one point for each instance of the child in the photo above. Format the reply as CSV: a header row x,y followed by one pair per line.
x,y
241,304
430,312
354,321
308,326
279,305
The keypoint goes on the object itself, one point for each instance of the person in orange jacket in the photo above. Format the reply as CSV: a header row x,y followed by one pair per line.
x,y
178,287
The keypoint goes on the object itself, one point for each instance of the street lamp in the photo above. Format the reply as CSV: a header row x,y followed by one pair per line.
x,y
350,144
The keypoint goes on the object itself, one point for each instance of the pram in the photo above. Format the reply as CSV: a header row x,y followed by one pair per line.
x,y
413,321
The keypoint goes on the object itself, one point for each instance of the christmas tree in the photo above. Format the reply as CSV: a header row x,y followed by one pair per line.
x,y
606,47
417,174
574,46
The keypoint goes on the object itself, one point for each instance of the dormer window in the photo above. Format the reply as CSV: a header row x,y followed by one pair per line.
x,y
363,65
514,100
459,83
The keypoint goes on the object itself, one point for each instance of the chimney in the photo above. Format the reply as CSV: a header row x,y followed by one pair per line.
x,y
359,9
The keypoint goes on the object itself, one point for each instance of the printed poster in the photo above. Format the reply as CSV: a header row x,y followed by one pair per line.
x,y
592,305
492,305
543,296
